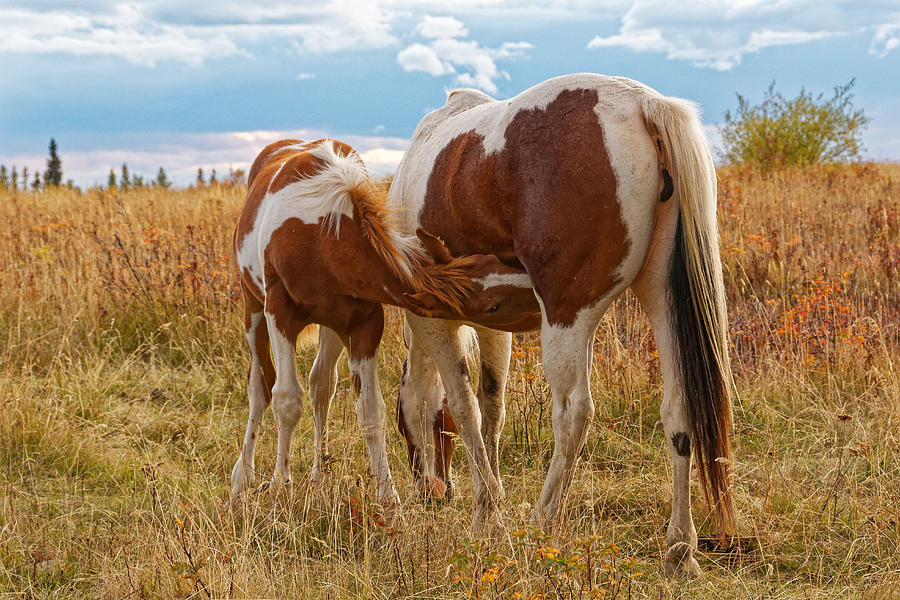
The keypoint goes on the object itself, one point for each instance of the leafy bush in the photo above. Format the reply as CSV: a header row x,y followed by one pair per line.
x,y
782,132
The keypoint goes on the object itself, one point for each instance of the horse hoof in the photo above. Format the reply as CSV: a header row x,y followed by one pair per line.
x,y
393,514
241,480
680,562
486,519
432,488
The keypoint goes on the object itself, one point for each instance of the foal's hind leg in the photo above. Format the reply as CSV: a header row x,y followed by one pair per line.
x,y
260,378
287,393
362,350
322,385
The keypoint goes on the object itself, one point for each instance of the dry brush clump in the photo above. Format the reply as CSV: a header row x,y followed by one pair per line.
x,y
123,406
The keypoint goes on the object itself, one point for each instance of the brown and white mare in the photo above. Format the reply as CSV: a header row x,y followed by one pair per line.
x,y
314,245
593,185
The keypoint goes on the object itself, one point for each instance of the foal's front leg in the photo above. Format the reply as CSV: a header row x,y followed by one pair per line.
x,y
419,401
260,377
287,393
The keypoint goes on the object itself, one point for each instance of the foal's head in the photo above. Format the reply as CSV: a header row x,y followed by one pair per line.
x,y
500,296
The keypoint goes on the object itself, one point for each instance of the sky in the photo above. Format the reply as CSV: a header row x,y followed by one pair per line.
x,y
183,84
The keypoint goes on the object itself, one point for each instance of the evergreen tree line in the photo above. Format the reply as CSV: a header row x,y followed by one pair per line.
x,y
52,177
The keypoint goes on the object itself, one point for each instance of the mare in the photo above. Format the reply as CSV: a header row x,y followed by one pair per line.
x,y
592,185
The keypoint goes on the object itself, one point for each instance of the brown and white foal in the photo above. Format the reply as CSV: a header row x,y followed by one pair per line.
x,y
314,246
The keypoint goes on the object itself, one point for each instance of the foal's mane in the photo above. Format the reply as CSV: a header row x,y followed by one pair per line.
x,y
449,282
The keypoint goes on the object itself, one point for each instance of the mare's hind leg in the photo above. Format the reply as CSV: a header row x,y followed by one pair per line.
x,y
362,350
287,393
322,385
260,378
566,357
495,349
681,536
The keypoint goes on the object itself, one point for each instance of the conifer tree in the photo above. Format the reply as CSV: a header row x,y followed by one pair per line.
x,y
162,180
4,177
53,174
24,179
36,183
124,180
14,179
111,180
200,182
235,177
212,178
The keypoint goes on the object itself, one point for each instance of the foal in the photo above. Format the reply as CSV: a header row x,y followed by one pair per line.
x,y
314,246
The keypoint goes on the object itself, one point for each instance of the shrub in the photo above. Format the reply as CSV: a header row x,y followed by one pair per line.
x,y
801,131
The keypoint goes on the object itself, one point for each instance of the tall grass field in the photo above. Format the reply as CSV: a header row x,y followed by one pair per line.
x,y
122,409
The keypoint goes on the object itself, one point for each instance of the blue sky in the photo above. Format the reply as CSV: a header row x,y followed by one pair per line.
x,y
184,84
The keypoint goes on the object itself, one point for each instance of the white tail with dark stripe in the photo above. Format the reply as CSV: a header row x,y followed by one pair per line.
x,y
697,297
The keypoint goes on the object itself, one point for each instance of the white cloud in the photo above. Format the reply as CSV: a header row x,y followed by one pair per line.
x,y
120,34
447,54
441,27
708,33
423,58
887,38
305,76
382,161
156,31
719,35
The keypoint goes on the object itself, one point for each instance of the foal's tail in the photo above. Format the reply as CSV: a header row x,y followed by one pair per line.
x,y
697,295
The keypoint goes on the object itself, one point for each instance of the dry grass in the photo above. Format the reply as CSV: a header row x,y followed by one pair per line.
x,y
123,409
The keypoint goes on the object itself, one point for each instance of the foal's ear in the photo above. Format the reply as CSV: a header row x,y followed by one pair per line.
x,y
435,247
423,303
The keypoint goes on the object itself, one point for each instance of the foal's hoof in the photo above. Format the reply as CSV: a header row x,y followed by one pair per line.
x,y
680,562
241,481
279,490
393,513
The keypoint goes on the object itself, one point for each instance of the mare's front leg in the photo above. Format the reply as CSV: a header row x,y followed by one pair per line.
x,y
322,386
441,340
495,349
419,405
362,349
